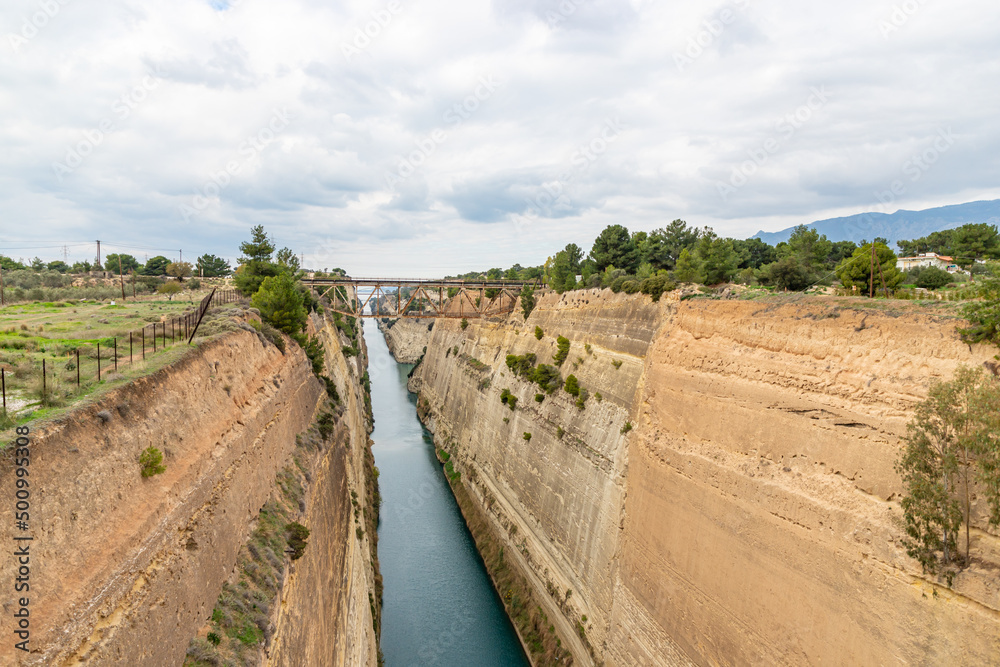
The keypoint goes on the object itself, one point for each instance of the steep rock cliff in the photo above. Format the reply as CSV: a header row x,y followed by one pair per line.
x,y
407,338
748,516
126,569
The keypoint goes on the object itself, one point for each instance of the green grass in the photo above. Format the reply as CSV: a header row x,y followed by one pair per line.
x,y
54,332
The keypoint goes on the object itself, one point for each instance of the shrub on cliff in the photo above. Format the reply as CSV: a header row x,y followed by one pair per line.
x,y
464,324
547,377
984,314
522,365
953,439
539,333
281,304
572,386
508,399
527,300
151,461
562,351
317,355
297,534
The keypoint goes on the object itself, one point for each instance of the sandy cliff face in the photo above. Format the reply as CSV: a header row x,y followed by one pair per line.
x,y
126,569
748,517
407,338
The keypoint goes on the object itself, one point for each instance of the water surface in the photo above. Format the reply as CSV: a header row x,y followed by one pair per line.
x,y
439,606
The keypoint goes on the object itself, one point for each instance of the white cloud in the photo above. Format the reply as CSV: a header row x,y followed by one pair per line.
x,y
698,89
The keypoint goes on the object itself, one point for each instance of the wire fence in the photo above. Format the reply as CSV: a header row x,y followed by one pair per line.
x,y
69,371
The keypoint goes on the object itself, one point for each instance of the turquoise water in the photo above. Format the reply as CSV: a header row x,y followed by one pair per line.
x,y
439,606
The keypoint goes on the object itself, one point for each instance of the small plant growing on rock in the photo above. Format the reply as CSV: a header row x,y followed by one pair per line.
x,y
508,399
572,386
560,432
562,352
626,428
539,398
617,363
598,396
151,461
539,333
464,324
214,638
526,436
296,536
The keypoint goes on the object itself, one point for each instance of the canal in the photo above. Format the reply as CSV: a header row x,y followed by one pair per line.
x,y
439,606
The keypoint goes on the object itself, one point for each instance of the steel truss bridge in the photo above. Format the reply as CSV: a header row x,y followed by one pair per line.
x,y
425,299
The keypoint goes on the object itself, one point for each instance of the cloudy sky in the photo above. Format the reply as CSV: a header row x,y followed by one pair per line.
x,y
417,138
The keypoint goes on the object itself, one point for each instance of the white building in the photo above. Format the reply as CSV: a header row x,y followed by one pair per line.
x,y
928,259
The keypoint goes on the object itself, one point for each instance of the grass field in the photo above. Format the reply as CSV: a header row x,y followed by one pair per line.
x,y
58,332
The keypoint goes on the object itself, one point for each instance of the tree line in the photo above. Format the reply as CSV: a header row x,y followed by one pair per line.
x,y
679,253
208,266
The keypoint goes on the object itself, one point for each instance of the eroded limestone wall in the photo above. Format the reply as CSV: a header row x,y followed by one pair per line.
x,y
750,516
126,569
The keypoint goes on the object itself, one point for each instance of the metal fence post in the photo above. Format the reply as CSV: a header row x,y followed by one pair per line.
x,y
116,355
144,343
3,387
77,368
43,380
129,348
98,362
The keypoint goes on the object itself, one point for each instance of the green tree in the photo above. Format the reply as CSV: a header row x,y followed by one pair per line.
x,y
78,267
37,264
975,241
615,247
984,313
287,260
572,386
59,266
810,247
788,274
527,300
211,266
857,271
663,247
179,270
688,269
156,266
281,304
717,257
933,278
169,288
952,439
562,351
128,263
561,275
754,253
255,263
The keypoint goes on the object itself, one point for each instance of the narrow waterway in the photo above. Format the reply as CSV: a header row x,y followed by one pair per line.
x,y
439,606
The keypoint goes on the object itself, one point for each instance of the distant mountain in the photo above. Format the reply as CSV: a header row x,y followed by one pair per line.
x,y
901,225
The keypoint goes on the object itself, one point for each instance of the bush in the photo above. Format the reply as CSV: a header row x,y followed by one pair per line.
x,y
933,278
521,365
464,324
539,333
656,285
562,352
296,536
526,436
626,428
214,638
547,377
539,398
508,399
572,387
194,284
281,304
324,423
151,461
170,289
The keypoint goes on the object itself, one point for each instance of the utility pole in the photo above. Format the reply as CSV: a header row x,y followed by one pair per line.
x,y
182,256
3,301
65,254
98,253
121,276
871,280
